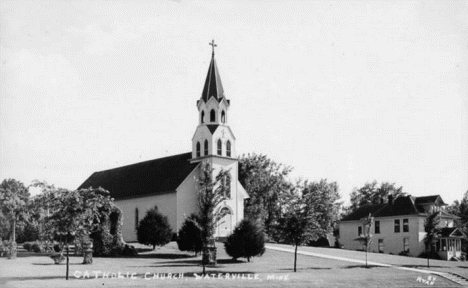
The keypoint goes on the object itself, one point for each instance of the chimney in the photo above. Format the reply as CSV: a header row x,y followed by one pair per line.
x,y
390,199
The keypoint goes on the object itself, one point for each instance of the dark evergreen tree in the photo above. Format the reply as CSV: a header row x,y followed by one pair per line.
x,y
190,235
154,229
246,241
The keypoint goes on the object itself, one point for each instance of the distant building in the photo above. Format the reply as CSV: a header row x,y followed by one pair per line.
x,y
170,182
399,227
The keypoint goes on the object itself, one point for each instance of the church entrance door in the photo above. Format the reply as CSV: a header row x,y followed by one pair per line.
x,y
225,223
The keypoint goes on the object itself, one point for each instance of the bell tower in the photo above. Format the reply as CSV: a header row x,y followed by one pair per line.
x,y
214,142
213,136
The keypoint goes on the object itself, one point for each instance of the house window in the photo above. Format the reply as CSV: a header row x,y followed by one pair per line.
x,y
212,115
359,230
136,218
202,120
397,225
198,149
206,148
406,245
381,246
377,227
220,147
228,148
405,225
223,117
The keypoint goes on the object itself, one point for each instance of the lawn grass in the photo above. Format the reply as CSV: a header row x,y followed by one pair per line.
x,y
39,271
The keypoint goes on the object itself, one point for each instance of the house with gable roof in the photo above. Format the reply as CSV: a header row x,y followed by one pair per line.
x,y
170,183
398,227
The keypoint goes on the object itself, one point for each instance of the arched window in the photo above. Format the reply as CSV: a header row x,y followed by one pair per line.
x,y
223,117
227,186
136,218
205,148
198,149
228,148
202,117
212,115
220,147
225,211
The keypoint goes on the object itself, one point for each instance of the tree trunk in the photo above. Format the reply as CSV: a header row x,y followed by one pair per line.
x,y
13,246
87,248
154,246
68,260
295,258
366,255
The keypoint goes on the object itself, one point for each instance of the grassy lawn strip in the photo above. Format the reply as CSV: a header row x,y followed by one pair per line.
x,y
39,271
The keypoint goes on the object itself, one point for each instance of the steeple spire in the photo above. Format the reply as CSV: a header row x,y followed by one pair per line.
x,y
213,86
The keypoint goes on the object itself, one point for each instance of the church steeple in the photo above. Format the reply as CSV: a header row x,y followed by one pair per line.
x,y
213,136
213,86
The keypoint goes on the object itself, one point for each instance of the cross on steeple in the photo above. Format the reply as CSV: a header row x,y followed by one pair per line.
x,y
213,46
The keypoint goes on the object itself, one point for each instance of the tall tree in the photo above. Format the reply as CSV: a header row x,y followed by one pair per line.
x,y
154,229
71,214
14,197
210,194
309,214
373,193
431,229
460,209
266,183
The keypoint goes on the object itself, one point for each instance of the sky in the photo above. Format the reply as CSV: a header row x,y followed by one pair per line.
x,y
346,91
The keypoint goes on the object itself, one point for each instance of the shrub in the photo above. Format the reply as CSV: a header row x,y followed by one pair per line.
x,y
27,233
57,248
403,253
246,241
36,247
432,255
27,246
154,229
190,235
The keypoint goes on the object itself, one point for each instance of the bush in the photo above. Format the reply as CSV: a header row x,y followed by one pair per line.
x,y
154,229
403,253
27,233
246,241
57,248
432,255
190,235
27,246
36,247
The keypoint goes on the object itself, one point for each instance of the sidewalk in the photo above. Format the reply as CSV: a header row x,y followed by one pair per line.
x,y
414,261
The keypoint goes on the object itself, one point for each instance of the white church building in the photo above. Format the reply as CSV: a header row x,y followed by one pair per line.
x,y
170,183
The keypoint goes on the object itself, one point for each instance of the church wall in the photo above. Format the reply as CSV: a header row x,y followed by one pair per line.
x,y
187,197
166,205
233,204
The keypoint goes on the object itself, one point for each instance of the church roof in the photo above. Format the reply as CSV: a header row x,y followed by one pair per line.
x,y
150,177
213,86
